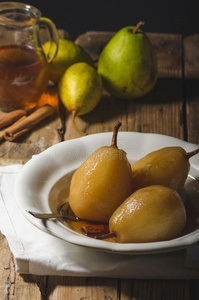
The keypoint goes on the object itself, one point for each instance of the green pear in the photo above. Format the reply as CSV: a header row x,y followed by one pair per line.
x,y
68,54
128,64
80,89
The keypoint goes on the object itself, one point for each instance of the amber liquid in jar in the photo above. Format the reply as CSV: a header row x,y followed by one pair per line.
x,y
23,77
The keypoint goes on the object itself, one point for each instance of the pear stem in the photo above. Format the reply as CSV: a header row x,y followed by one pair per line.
x,y
138,26
192,153
115,133
74,124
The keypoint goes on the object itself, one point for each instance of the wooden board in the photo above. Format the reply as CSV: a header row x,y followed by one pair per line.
x,y
191,86
172,109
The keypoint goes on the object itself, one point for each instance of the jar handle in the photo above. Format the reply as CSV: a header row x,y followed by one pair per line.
x,y
54,39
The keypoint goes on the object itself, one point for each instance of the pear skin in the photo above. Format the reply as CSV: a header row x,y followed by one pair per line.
x,y
68,54
168,166
128,64
80,89
101,184
152,214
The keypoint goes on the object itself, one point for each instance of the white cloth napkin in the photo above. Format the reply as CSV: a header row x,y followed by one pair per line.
x,y
38,253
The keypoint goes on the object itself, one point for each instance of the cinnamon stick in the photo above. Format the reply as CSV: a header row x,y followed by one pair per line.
x,y
27,123
2,133
11,117
95,230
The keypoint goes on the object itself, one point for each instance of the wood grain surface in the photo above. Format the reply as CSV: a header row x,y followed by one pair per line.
x,y
171,108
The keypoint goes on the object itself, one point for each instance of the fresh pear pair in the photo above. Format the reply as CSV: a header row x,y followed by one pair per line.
x,y
127,67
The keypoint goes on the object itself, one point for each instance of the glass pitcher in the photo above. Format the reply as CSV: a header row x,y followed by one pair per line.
x,y
23,64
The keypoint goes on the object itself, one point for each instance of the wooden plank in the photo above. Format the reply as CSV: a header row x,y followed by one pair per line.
x,y
191,74
35,141
194,289
150,114
155,289
12,284
81,288
191,67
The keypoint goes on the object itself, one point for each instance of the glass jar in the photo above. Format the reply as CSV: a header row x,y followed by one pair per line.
x,y
24,68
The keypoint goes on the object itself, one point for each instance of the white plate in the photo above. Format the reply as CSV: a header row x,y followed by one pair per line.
x,y
36,180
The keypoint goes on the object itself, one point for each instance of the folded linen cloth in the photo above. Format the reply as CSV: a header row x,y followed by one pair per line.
x,y
36,252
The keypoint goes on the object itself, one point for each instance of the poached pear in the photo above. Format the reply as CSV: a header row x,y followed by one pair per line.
x,y
128,64
152,214
168,166
101,183
80,89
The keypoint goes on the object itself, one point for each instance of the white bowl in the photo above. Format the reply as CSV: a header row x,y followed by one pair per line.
x,y
37,183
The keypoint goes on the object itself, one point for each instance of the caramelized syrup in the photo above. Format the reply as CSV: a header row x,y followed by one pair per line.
x,y
59,195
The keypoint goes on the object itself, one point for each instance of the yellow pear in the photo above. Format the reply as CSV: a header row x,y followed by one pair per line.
x,y
168,166
151,214
101,183
68,54
80,89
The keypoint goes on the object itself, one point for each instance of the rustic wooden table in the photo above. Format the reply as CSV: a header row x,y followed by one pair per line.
x,y
172,108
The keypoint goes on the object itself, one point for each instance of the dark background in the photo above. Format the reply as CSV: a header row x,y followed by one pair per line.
x,y
163,16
